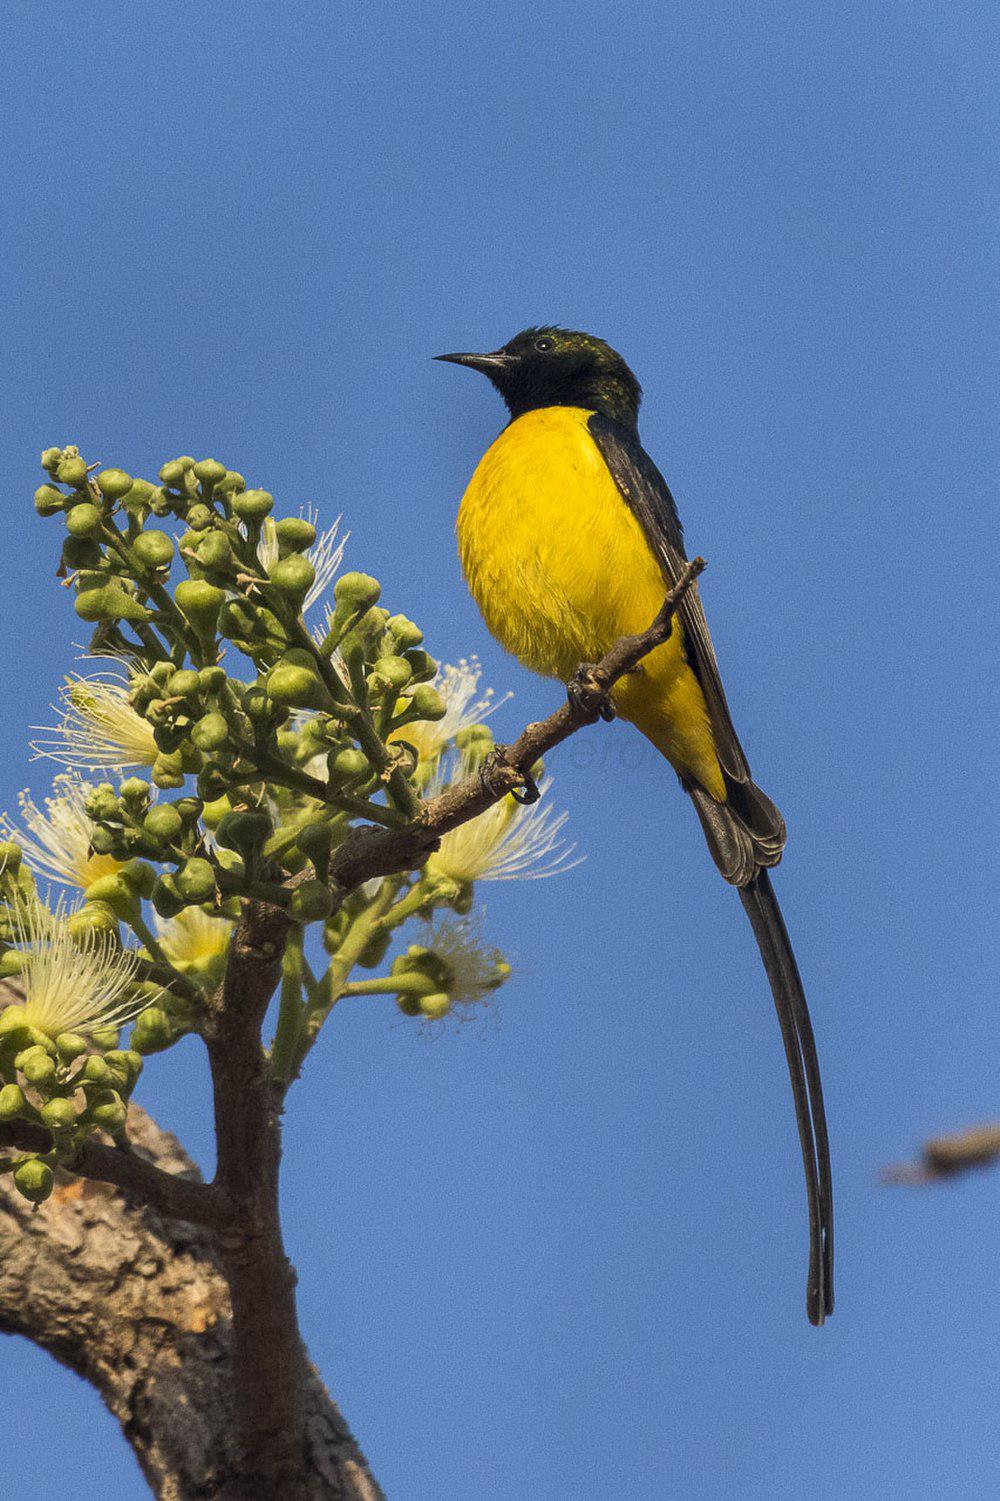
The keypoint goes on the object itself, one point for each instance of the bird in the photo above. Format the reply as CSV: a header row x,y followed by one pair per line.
x,y
569,539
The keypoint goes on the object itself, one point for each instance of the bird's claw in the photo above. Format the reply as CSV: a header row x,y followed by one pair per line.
x,y
526,793
587,696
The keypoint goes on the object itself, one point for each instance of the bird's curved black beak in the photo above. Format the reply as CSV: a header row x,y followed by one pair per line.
x,y
488,364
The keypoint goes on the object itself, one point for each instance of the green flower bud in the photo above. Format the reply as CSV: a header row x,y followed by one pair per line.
x,y
231,481
48,500
238,619
168,771
70,1045
140,876
215,552
357,590
243,831
200,604
153,1031
212,679
196,880
153,548
172,474
183,684
200,517
58,1115
293,576
409,1005
109,1111
435,1006
92,917
134,790
15,1034
125,1061
253,505
116,893
96,1071
210,732
51,458
83,520
215,811
311,902
189,808
161,503
348,764
296,687
166,898
315,840
114,483
72,471
374,950
80,552
212,783
102,803
294,534
404,632
33,1179
11,963
426,703
12,1018
396,671
105,1037
140,497
109,601
12,1102
210,472
37,1067
163,823
423,665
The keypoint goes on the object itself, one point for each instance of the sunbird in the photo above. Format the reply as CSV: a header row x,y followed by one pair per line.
x,y
569,539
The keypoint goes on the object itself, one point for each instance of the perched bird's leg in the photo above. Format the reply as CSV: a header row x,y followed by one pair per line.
x,y
498,775
588,696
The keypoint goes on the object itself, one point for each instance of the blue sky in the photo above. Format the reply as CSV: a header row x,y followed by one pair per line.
x,y
561,1254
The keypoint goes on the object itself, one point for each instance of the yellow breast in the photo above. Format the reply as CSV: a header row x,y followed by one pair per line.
x,y
561,569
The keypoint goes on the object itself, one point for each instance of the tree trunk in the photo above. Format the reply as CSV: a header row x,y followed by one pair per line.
x,y
138,1306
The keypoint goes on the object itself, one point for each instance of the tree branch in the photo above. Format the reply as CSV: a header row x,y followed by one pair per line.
x,y
138,1306
177,1198
269,1393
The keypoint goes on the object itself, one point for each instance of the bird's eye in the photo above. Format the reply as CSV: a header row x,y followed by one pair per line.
x,y
544,344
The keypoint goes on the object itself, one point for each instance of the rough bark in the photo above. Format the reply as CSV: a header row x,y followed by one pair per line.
x,y
138,1306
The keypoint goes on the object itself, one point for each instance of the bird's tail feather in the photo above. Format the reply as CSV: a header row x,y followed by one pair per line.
x,y
775,947
743,833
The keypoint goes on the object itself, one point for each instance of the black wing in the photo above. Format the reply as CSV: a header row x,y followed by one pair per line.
x,y
645,491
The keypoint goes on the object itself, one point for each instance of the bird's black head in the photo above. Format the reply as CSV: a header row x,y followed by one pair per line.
x,y
547,367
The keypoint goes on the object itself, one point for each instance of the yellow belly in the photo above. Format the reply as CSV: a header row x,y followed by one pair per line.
x,y
560,568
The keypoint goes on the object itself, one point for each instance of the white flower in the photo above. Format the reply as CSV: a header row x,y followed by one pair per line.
x,y
473,971
99,728
326,553
510,841
195,942
458,686
56,842
74,984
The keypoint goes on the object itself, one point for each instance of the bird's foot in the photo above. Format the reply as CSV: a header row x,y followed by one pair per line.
x,y
495,773
587,696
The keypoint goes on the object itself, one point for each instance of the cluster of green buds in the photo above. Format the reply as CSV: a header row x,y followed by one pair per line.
x,y
70,1084
237,748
